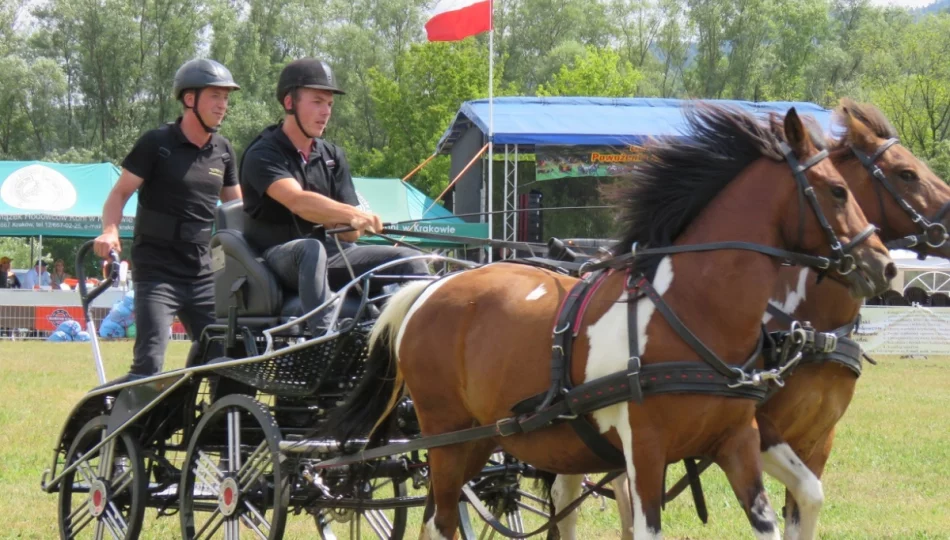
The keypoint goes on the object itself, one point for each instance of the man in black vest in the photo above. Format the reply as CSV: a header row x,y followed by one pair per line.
x,y
180,171
293,181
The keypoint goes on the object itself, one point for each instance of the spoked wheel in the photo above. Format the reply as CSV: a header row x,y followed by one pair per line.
x,y
232,485
501,490
357,524
104,497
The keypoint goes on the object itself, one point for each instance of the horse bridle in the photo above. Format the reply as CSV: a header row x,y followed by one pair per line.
x,y
933,232
841,253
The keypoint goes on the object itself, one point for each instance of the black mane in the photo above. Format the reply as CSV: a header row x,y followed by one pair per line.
x,y
679,176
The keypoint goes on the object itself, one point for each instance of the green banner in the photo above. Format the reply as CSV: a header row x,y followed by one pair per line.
x,y
555,162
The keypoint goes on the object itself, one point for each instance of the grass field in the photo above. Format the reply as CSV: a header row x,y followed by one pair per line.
x,y
887,478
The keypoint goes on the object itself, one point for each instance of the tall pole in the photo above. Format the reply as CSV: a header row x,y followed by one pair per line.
x,y
491,119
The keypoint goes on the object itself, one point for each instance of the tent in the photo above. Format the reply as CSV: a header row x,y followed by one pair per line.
x,y
54,199
396,201
593,121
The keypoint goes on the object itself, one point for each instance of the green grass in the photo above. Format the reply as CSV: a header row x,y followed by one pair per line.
x,y
887,477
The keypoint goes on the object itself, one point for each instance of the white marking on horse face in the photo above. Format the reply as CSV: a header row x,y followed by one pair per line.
x,y
609,354
566,488
793,299
431,532
781,462
418,304
537,293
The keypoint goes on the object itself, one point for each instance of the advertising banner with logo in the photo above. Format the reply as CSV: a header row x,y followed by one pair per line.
x,y
47,318
55,199
555,162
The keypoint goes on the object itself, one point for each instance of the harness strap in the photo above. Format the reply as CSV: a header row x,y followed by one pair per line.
x,y
730,372
792,257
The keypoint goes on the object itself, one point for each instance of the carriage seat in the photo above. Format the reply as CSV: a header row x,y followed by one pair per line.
x,y
242,278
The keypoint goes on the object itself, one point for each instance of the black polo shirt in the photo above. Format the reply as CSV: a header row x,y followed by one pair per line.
x,y
184,182
273,156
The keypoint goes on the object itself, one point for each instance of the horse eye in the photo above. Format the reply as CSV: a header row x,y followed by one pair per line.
x,y
909,176
839,192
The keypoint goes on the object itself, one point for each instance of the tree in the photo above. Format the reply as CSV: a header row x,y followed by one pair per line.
x,y
595,72
414,110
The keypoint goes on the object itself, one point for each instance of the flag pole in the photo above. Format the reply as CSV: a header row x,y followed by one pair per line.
x,y
491,116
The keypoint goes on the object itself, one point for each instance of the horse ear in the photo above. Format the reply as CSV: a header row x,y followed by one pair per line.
x,y
796,135
858,134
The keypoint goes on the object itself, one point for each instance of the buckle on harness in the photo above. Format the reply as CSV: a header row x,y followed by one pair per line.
x,y
508,426
825,342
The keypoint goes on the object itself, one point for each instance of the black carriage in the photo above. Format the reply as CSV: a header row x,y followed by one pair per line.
x,y
230,444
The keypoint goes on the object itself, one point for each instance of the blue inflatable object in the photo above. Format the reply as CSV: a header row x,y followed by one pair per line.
x,y
70,328
111,329
82,336
59,336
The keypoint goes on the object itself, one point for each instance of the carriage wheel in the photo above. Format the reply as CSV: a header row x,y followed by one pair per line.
x,y
104,497
384,524
232,485
505,494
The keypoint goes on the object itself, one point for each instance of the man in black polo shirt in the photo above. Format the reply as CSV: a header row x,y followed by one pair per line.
x,y
292,180
180,171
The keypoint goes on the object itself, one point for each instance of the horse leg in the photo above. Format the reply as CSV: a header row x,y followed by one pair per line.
x,y
621,489
802,509
449,468
566,488
740,459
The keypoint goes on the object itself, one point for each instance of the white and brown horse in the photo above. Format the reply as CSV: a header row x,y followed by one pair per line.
x,y
473,344
798,422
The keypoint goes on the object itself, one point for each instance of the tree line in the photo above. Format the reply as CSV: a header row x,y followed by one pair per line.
x,y
82,79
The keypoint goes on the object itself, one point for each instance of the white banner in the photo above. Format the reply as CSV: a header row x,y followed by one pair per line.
x,y
905,332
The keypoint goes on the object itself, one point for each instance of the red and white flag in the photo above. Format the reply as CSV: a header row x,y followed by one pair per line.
x,y
452,20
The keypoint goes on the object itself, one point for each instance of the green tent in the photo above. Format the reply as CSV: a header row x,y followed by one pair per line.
x,y
396,201
55,199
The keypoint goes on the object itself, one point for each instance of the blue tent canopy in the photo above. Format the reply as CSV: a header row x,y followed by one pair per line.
x,y
530,121
56,199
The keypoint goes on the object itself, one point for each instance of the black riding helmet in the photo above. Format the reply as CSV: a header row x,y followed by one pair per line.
x,y
197,75
305,73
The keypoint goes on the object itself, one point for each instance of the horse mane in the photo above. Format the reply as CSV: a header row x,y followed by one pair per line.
x,y
870,116
679,176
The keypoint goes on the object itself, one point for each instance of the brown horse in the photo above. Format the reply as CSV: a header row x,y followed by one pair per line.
x,y
797,423
472,345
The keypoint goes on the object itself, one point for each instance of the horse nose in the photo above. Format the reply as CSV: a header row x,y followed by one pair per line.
x,y
890,271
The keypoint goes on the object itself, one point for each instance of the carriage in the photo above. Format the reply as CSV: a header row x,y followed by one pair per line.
x,y
228,444
239,441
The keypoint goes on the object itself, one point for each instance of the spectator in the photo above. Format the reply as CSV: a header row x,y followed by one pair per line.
x,y
59,274
8,279
37,276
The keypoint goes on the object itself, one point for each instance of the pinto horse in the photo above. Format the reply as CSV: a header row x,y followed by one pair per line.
x,y
797,423
472,345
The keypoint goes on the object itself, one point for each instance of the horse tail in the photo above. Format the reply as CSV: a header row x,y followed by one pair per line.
x,y
375,397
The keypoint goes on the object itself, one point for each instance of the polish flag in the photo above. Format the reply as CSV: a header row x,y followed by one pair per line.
x,y
453,20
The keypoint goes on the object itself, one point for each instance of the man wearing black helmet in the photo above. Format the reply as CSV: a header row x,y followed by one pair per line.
x,y
293,180
180,170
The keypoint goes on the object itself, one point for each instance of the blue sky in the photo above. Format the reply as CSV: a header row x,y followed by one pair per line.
x,y
905,3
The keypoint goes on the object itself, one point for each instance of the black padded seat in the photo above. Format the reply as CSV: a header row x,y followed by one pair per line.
x,y
265,302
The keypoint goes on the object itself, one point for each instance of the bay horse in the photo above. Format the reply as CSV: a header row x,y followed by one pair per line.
x,y
797,423
472,345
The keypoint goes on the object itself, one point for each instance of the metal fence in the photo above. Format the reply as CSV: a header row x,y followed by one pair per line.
x,y
38,322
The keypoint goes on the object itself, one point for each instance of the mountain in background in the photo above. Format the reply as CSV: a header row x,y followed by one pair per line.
x,y
936,7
